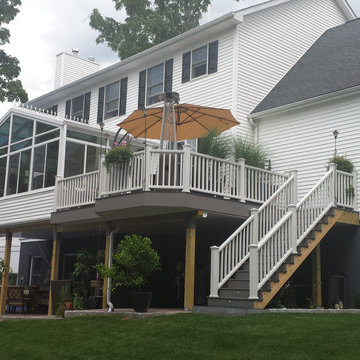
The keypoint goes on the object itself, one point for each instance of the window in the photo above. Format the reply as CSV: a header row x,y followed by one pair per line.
x,y
28,155
78,108
200,61
154,81
112,100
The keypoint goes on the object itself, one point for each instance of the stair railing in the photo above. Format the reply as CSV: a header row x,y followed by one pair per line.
x,y
282,240
232,254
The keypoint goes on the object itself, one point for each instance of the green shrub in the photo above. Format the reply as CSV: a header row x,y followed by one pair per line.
x,y
117,155
253,154
133,262
214,145
342,163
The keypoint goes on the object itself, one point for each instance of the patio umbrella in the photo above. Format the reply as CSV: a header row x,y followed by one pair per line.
x,y
192,121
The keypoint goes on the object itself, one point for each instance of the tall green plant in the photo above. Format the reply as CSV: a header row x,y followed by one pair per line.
x,y
133,262
214,145
254,154
342,163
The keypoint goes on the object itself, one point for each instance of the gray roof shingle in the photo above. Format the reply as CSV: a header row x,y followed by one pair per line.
x,y
331,64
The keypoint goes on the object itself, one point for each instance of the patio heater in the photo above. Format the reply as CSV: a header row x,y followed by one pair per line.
x,y
168,124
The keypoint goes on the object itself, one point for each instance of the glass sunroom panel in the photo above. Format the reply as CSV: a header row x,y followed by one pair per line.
x,y
2,175
13,174
42,127
38,167
51,163
74,159
24,173
21,129
92,158
4,133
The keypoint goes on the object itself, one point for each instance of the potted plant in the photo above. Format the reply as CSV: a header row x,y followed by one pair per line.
x,y
342,164
133,262
117,156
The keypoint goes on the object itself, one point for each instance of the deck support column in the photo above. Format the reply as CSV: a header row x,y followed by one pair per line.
x,y
107,250
54,264
190,262
316,276
5,274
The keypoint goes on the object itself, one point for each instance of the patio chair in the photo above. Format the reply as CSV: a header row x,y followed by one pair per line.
x,y
16,299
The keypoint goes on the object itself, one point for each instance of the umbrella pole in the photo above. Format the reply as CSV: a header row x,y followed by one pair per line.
x,y
174,123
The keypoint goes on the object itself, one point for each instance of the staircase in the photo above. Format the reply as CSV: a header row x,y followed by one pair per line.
x,y
252,265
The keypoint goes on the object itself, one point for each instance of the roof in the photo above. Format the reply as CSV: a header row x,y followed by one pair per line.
x,y
332,64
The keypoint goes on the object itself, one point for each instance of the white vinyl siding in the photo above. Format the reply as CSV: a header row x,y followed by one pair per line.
x,y
270,43
27,207
303,139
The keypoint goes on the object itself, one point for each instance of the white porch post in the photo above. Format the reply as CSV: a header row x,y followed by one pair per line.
x,y
355,201
293,229
214,271
186,168
57,193
253,262
294,187
242,179
102,176
147,167
333,193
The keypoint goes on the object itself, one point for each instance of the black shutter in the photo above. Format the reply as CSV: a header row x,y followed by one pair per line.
x,y
54,109
100,113
168,75
142,87
213,57
186,67
67,109
123,95
87,107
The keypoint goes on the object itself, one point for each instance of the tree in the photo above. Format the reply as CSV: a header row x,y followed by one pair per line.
x,y
147,23
11,88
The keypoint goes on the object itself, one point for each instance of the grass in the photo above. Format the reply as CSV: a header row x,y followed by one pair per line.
x,y
184,336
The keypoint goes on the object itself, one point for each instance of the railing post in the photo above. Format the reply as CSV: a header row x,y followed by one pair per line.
x,y
355,201
242,179
214,271
186,168
57,192
333,194
294,187
102,176
147,167
293,228
253,260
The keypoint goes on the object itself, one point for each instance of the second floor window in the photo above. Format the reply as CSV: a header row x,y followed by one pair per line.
x,y
155,83
78,108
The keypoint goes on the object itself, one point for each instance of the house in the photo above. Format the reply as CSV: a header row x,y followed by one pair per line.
x,y
53,186
296,121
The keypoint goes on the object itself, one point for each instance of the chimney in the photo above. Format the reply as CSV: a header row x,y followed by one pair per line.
x,y
71,67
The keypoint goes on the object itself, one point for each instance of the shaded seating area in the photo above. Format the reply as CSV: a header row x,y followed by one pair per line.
x,y
16,299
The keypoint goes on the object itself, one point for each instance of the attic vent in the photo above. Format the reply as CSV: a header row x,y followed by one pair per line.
x,y
91,58
75,51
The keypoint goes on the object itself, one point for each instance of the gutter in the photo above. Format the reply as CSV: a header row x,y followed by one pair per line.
x,y
303,103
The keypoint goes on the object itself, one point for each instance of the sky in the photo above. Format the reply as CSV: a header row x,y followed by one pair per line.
x,y
44,28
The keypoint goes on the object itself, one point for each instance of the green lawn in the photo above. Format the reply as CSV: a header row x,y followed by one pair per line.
x,y
184,336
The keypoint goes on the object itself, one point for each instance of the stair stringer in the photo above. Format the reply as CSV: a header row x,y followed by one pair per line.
x,y
299,258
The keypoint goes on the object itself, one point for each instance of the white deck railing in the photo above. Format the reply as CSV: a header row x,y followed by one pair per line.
x,y
181,170
228,258
76,190
295,224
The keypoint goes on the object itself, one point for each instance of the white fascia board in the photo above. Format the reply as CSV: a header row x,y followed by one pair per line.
x,y
264,5
347,9
143,58
305,103
34,115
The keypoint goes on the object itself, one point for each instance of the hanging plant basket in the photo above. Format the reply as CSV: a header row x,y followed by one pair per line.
x,y
117,156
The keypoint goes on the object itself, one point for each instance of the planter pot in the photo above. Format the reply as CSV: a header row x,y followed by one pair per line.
x,y
141,301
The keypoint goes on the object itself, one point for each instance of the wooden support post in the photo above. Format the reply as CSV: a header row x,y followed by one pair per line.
x,y
190,262
54,264
107,251
5,274
316,276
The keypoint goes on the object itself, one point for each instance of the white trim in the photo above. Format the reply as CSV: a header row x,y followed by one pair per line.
x,y
347,9
307,102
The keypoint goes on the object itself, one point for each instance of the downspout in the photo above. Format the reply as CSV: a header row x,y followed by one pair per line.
x,y
108,293
255,126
